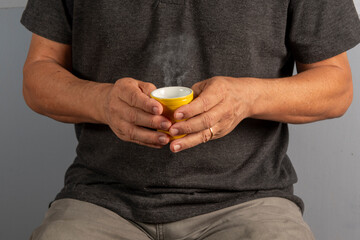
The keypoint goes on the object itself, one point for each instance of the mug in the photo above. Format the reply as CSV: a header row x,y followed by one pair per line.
x,y
172,98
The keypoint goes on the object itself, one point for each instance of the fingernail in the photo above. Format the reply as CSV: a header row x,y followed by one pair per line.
x,y
155,110
165,125
174,132
163,139
177,148
179,116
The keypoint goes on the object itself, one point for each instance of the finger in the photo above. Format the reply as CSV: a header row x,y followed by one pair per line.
x,y
200,122
207,99
138,117
140,135
132,92
192,140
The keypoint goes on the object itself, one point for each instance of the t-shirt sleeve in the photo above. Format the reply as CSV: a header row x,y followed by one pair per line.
x,y
50,19
321,29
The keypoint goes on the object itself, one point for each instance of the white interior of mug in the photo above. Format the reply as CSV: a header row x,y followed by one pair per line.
x,y
171,92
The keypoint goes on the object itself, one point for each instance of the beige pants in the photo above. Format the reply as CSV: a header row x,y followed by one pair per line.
x,y
266,218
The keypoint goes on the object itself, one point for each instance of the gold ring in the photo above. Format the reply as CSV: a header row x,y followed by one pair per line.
x,y
212,133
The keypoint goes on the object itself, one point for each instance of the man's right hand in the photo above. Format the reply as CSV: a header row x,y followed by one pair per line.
x,y
52,90
130,112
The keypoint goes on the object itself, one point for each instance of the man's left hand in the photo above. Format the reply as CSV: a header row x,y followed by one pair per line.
x,y
221,103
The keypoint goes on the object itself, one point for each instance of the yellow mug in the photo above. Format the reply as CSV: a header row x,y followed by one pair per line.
x,y
172,98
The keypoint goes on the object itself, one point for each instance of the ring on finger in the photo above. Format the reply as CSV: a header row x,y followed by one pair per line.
x,y
206,136
212,133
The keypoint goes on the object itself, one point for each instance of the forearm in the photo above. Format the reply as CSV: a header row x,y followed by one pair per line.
x,y
51,90
319,93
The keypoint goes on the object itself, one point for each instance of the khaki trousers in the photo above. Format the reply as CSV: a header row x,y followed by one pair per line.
x,y
266,218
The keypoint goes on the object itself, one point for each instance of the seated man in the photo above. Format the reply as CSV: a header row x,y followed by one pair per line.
x,y
95,63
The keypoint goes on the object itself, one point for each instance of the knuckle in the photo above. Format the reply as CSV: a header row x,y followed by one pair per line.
x,y
205,137
132,116
152,139
187,129
187,111
120,83
131,133
120,131
133,98
208,120
126,80
205,104
221,93
112,108
148,105
153,123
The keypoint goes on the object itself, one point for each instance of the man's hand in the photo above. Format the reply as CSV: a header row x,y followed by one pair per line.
x,y
321,90
221,104
52,90
128,109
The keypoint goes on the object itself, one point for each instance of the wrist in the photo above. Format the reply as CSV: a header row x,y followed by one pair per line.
x,y
94,98
258,92
249,92
104,90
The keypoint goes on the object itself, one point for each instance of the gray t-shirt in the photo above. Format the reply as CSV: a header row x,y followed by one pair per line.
x,y
181,42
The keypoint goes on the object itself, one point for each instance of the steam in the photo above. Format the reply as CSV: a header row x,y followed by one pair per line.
x,y
173,55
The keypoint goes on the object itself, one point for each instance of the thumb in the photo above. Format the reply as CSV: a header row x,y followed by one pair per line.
x,y
198,88
147,87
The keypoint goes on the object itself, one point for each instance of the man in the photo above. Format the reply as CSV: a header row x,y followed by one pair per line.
x,y
95,63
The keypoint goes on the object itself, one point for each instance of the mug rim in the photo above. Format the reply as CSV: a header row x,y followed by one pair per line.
x,y
155,95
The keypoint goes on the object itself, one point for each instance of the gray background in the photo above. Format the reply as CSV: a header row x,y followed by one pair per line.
x,y
35,152
12,3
